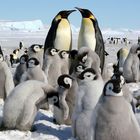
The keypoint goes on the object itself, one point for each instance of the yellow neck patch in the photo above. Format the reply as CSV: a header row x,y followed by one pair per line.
x,y
58,17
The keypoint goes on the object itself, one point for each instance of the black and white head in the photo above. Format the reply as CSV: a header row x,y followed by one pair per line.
x,y
88,75
23,59
83,57
32,63
36,48
53,51
16,51
63,54
73,54
118,76
80,68
53,98
65,81
113,87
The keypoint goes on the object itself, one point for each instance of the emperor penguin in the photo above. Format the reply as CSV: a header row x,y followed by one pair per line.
x,y
20,69
90,34
114,118
36,51
121,57
89,58
131,67
52,66
67,89
6,78
64,55
34,71
59,35
22,104
90,87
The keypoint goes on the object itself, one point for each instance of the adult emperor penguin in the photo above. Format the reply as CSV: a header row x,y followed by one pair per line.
x,y
90,34
114,119
121,57
34,71
20,69
22,104
6,78
36,51
67,90
131,67
90,87
59,35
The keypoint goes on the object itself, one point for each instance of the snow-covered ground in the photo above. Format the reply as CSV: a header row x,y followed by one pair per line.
x,y
45,128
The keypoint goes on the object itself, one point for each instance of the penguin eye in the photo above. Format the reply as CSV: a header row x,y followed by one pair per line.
x,y
109,87
55,99
68,81
89,75
53,52
84,59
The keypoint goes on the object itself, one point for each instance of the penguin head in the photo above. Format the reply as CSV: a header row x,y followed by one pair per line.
x,y
63,14
36,48
80,68
32,63
16,51
88,75
53,98
86,13
23,59
118,76
53,51
113,88
83,57
63,54
73,54
65,81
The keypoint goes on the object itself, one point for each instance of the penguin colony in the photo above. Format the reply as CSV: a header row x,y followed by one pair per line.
x,y
72,81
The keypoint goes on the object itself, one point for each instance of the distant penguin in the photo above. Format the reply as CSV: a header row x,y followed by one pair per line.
x,y
59,35
20,69
121,57
64,55
52,66
6,78
89,58
22,104
14,57
90,35
21,49
114,118
36,51
90,86
7,60
34,71
67,86
131,67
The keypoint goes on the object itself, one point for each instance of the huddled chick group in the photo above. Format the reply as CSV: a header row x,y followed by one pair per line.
x,y
72,80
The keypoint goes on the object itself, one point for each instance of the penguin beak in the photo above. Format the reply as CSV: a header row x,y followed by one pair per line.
x,y
80,10
69,12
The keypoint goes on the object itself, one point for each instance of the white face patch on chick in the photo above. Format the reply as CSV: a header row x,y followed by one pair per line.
x,y
84,59
53,52
36,48
68,81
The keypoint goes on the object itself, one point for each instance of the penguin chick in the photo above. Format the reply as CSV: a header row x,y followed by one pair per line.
x,y
59,29
36,51
90,86
20,69
52,66
90,35
6,78
64,55
67,90
131,65
22,104
34,71
89,58
114,119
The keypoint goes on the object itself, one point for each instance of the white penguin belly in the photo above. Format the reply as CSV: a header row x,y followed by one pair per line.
x,y
63,36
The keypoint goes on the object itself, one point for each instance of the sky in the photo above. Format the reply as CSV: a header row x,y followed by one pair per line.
x,y
115,14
